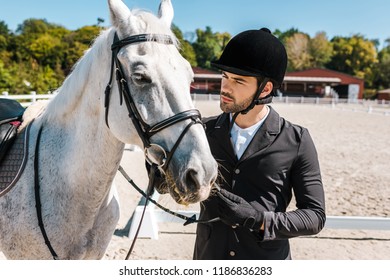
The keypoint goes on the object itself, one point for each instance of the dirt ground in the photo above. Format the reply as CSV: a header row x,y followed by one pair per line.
x,y
354,155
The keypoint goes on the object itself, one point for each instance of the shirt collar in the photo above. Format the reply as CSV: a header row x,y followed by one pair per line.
x,y
249,131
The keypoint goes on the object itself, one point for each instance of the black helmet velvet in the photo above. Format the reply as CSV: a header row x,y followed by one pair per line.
x,y
255,53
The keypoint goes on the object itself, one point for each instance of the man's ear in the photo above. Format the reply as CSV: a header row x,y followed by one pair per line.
x,y
268,88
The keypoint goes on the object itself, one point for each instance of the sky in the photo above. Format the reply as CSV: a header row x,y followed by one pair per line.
x,y
369,18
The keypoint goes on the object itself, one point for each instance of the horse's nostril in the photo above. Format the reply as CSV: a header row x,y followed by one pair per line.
x,y
191,179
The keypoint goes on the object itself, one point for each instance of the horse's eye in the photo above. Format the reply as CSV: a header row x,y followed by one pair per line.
x,y
141,78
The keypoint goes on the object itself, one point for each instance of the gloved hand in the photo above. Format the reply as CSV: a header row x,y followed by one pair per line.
x,y
235,211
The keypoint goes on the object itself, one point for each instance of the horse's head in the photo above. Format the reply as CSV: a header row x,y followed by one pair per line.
x,y
154,89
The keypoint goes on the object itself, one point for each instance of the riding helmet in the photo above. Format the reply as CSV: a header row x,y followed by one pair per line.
x,y
255,53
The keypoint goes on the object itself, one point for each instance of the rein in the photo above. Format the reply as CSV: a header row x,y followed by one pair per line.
x,y
147,195
144,130
188,220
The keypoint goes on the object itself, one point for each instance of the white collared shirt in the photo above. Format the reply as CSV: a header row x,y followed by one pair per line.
x,y
241,137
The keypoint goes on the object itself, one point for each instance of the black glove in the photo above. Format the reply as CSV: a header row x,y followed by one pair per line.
x,y
235,211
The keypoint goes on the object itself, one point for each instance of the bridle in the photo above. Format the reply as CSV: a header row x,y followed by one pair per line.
x,y
144,130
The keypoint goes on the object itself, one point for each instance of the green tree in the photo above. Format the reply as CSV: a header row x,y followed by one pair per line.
x,y
5,78
208,46
320,50
4,34
46,50
186,49
85,35
382,71
76,43
286,34
305,52
298,51
355,56
38,55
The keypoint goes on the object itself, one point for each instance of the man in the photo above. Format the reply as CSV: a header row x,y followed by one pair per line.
x,y
263,159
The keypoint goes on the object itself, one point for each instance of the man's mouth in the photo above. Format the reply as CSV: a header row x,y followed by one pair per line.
x,y
226,99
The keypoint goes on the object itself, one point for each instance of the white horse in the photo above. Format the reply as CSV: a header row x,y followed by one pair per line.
x,y
79,153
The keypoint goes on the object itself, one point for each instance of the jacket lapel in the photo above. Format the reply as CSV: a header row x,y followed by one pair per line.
x,y
222,135
264,136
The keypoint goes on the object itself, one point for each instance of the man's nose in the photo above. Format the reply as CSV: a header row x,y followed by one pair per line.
x,y
225,87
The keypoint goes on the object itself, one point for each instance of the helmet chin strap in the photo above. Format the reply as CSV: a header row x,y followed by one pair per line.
x,y
256,101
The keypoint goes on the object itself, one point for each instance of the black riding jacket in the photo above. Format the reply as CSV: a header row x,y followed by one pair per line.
x,y
280,160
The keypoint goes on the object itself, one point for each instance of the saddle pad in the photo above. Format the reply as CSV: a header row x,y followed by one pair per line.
x,y
14,161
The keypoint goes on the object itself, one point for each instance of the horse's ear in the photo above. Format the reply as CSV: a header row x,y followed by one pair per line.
x,y
165,12
119,12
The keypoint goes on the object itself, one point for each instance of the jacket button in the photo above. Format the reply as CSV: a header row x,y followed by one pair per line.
x,y
237,171
232,253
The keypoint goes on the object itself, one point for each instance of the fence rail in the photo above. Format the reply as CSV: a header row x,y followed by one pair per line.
x,y
154,216
362,105
381,107
27,99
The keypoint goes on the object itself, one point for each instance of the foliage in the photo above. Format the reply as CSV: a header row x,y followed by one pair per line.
x,y
305,52
320,50
355,56
4,35
5,78
39,55
186,49
297,47
208,46
382,71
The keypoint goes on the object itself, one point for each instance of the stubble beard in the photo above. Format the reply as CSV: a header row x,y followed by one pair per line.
x,y
234,107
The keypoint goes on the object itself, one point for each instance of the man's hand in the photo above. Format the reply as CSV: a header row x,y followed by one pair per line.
x,y
235,211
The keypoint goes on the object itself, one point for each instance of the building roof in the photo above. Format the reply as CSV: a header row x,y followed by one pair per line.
x,y
314,75
386,91
202,73
311,79
326,73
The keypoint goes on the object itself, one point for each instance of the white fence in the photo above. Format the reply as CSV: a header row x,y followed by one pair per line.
x,y
358,105
27,99
381,107
154,216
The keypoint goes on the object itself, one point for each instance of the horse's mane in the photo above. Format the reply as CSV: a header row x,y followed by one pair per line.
x,y
69,94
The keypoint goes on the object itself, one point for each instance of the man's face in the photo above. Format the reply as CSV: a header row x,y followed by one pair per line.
x,y
236,92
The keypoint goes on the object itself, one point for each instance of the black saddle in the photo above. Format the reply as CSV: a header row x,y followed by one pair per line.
x,y
12,145
10,110
11,113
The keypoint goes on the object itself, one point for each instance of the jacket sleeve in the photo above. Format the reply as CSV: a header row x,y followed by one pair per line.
x,y
309,217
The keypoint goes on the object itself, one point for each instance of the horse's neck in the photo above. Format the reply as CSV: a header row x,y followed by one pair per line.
x,y
83,90
76,117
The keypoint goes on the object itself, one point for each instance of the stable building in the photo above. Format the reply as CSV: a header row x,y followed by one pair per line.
x,y
206,81
319,82
316,82
383,94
